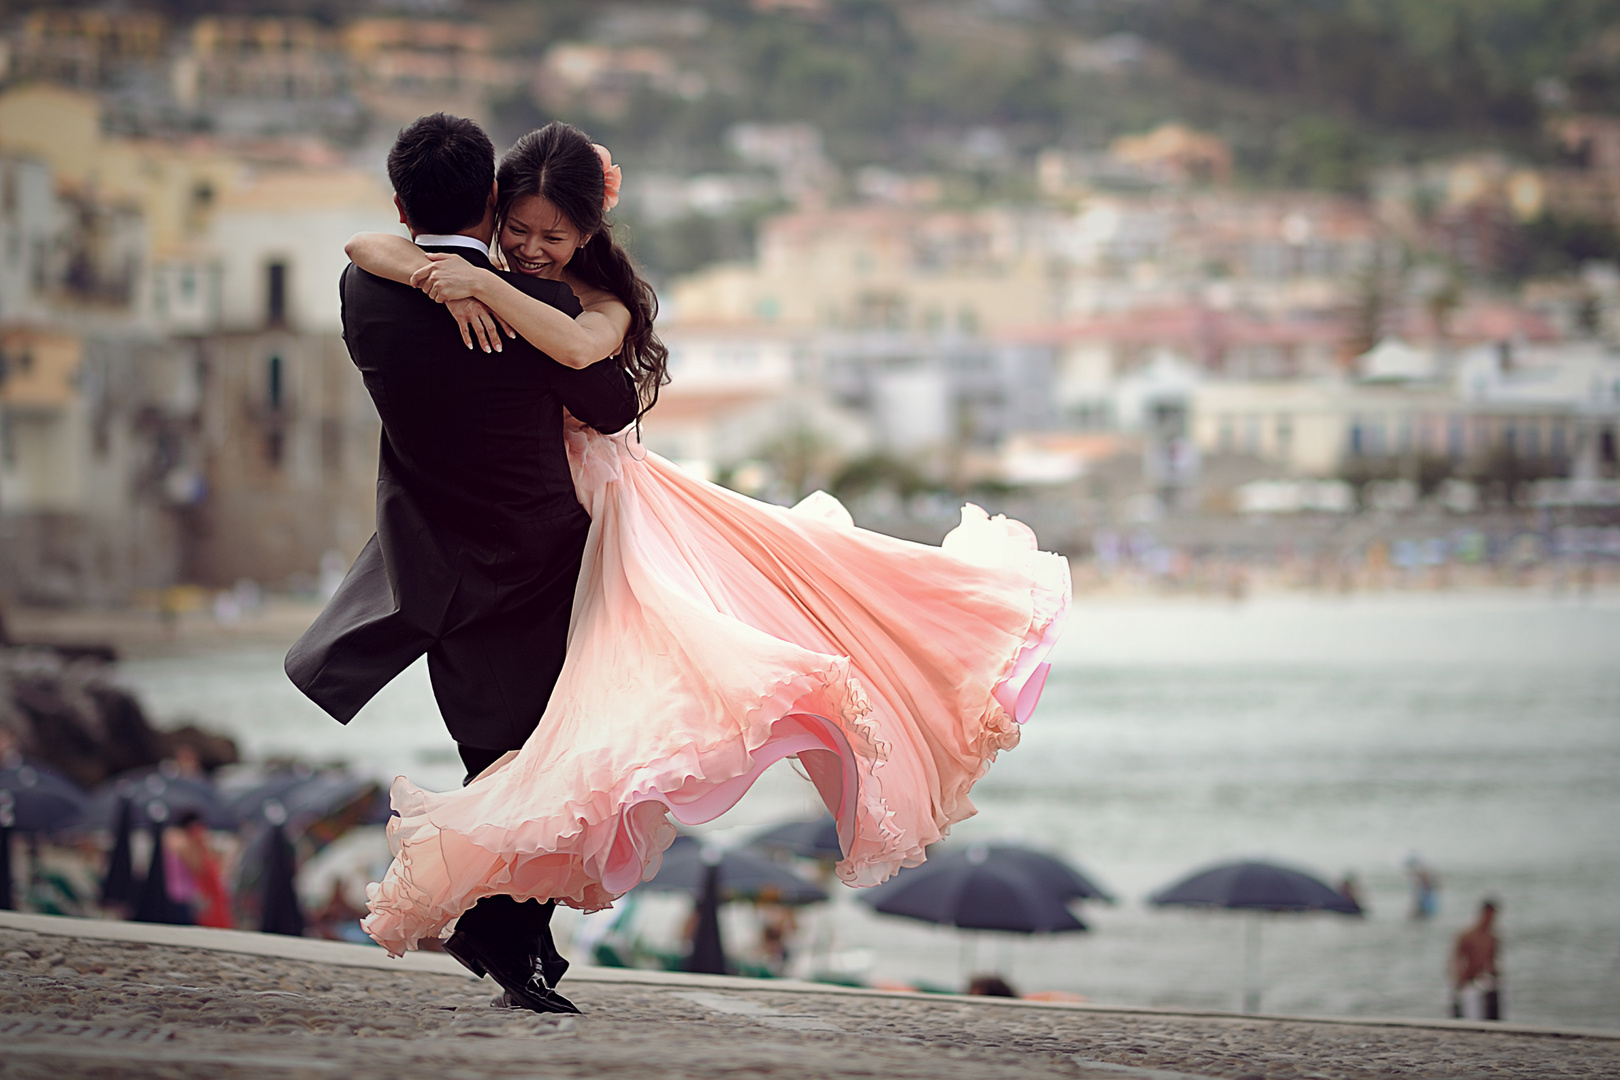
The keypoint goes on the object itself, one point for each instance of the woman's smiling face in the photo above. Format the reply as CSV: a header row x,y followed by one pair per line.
x,y
537,238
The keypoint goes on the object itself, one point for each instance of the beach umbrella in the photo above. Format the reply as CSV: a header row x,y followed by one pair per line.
x,y
1050,872
118,887
43,800
988,887
1254,887
154,904
149,789
8,818
280,913
325,794
809,839
248,804
744,875
708,954
317,807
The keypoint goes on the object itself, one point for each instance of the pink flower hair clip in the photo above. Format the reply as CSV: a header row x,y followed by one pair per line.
x,y
612,177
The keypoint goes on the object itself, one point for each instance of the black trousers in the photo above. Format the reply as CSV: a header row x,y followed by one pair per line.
x,y
501,920
495,641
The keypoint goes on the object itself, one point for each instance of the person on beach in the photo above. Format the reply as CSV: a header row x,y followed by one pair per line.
x,y
1474,991
1425,887
711,635
196,880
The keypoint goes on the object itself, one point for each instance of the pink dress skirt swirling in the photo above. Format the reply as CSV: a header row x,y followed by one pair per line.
x,y
713,635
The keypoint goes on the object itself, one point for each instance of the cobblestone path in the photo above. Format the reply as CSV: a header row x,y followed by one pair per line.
x,y
73,1007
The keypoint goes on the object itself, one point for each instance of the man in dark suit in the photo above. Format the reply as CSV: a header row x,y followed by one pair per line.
x,y
479,534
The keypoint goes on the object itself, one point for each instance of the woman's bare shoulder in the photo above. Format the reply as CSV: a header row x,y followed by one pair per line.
x,y
593,298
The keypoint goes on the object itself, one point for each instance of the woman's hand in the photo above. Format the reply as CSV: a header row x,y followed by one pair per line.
x,y
476,320
449,277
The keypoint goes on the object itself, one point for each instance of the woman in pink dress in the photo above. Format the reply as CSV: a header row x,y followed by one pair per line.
x,y
712,635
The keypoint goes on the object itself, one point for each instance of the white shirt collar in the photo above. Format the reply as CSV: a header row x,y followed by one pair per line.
x,y
451,240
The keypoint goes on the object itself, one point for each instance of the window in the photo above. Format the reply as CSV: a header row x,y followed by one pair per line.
x,y
273,383
275,308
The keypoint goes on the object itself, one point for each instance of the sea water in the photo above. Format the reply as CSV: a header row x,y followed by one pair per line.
x,y
1340,735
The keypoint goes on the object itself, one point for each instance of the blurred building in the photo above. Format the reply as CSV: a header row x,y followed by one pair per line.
x,y
177,403
241,75
1214,336
1176,154
751,397
1553,409
404,68
604,80
289,433
262,75
895,320
98,464
85,49
881,268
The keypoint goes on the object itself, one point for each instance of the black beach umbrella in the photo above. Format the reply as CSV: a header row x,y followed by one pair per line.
x,y
43,800
708,955
809,839
281,913
154,904
119,887
1255,887
7,818
319,797
248,804
988,887
744,875
318,805
149,789
1049,872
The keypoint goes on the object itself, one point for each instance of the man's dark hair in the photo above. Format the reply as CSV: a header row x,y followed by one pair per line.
x,y
442,167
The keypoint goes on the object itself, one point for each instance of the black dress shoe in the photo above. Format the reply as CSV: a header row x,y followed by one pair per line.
x,y
538,999
518,975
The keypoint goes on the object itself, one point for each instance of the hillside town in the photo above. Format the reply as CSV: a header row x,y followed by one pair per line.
x,y
1167,372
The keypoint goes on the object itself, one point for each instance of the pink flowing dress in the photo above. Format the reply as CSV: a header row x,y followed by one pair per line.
x,y
713,635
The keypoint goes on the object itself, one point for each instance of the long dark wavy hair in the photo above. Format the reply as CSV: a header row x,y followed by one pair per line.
x,y
558,163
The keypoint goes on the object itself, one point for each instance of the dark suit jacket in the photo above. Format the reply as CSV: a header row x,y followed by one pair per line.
x,y
479,533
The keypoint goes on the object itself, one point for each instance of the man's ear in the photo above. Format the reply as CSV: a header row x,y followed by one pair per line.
x,y
403,220
494,197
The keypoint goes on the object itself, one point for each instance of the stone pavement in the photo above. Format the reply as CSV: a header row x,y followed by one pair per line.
x,y
92,1000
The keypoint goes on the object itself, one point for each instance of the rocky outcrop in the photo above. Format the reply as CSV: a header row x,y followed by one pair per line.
x,y
67,712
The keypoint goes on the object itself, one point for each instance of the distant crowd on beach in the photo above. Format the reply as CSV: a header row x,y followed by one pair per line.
x,y
1185,557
